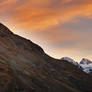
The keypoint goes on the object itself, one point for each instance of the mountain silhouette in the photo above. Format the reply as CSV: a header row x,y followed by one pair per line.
x,y
25,67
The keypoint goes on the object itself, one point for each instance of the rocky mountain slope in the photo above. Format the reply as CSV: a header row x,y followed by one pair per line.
x,y
25,67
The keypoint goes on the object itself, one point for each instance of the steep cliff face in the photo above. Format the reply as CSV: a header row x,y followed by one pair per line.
x,y
25,67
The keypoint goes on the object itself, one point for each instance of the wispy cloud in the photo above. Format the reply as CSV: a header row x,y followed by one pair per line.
x,y
39,14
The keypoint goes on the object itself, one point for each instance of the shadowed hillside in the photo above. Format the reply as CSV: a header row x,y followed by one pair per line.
x,y
25,67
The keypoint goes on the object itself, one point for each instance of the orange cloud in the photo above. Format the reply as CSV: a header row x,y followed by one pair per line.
x,y
40,15
43,14
6,4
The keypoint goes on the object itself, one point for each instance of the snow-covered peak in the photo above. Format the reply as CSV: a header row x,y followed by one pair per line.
x,y
87,68
69,60
85,61
86,65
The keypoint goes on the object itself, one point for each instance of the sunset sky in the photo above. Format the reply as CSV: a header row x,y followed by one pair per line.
x,y
61,27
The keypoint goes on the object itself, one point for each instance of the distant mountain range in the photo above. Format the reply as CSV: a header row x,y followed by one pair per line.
x,y
85,64
25,67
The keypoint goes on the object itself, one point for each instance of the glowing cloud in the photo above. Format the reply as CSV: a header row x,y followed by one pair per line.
x,y
39,14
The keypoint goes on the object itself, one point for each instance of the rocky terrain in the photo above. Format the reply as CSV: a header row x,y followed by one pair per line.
x,y
25,67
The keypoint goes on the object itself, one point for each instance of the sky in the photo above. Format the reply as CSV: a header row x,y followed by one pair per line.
x,y
63,28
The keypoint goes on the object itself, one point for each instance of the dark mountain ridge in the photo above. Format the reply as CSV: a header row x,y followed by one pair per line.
x,y
25,67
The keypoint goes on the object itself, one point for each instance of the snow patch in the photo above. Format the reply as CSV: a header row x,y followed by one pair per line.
x,y
69,60
86,65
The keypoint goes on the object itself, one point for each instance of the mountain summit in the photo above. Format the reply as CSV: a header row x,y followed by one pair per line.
x,y
86,65
69,60
85,61
25,67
